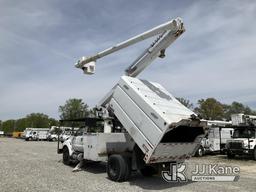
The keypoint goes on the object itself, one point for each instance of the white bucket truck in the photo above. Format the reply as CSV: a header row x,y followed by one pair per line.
x,y
218,132
35,134
243,141
143,126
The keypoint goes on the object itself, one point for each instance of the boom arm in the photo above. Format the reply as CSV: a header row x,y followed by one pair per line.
x,y
168,33
156,49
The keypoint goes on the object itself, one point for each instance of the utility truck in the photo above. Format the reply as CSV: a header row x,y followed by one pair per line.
x,y
35,134
62,132
143,126
243,141
53,133
218,132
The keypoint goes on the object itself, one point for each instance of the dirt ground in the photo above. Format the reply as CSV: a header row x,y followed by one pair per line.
x,y
35,166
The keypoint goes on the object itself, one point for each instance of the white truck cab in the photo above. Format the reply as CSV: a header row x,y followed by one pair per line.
x,y
67,133
31,135
243,141
52,137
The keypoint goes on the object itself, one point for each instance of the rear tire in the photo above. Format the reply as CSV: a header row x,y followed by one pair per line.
x,y
66,156
128,168
148,171
118,168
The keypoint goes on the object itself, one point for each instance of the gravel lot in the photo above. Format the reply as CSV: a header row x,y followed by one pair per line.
x,y
35,166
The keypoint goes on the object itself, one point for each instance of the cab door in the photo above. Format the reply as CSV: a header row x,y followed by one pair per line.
x,y
77,141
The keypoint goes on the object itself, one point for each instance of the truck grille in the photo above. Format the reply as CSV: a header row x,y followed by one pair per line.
x,y
235,145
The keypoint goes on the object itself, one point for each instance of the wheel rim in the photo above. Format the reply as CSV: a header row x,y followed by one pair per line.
x,y
200,152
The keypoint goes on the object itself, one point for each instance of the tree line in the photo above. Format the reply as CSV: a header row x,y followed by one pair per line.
x,y
33,120
210,109
72,109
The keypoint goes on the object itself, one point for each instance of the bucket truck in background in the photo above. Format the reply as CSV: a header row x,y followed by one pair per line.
x,y
243,141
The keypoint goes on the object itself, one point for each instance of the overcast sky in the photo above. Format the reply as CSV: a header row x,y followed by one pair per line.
x,y
40,40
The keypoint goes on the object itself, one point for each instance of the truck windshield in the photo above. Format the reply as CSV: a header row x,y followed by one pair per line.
x,y
244,133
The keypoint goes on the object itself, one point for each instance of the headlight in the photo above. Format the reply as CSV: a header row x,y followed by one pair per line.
x,y
245,145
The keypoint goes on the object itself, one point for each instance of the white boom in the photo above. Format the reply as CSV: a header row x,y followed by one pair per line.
x,y
168,31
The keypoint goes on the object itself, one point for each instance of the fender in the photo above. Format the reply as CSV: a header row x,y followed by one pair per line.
x,y
68,144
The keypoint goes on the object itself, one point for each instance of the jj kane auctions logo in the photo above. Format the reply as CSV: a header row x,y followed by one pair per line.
x,y
204,172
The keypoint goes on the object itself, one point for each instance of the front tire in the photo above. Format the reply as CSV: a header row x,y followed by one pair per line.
x,y
118,168
66,156
254,154
200,152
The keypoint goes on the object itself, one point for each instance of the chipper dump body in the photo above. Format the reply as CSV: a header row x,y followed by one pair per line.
x,y
160,125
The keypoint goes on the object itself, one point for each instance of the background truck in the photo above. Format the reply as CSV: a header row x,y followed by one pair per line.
x,y
52,134
35,134
17,134
62,132
143,126
1,133
218,132
243,141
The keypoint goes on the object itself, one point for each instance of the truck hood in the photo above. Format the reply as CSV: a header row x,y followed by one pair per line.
x,y
68,140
